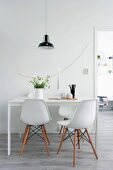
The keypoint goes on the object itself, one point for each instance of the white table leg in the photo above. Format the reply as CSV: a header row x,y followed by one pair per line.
x,y
20,126
9,129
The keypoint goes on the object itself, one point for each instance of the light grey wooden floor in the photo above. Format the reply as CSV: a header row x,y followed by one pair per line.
x,y
35,157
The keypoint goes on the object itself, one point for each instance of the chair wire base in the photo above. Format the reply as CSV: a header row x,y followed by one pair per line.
x,y
79,135
31,131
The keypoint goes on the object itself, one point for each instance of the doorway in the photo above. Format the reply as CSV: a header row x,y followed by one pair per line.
x,y
104,67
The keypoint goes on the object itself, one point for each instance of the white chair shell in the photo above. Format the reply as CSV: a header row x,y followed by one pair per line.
x,y
35,112
85,115
67,111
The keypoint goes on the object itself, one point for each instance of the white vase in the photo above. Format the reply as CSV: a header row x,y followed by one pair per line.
x,y
39,93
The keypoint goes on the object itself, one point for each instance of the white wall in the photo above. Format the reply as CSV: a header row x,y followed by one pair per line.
x,y
70,26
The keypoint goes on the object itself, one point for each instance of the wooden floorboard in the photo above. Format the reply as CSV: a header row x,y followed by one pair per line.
x,y
35,156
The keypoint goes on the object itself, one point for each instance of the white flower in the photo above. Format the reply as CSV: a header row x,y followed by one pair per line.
x,y
40,82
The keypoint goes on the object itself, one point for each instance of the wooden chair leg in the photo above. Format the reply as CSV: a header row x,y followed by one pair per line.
x,y
62,138
46,135
61,130
25,139
24,133
74,150
45,140
28,134
91,144
78,137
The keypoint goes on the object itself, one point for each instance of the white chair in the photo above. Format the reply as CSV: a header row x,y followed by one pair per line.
x,y
83,118
35,114
67,112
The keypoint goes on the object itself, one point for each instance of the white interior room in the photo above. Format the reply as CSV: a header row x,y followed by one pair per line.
x,y
77,30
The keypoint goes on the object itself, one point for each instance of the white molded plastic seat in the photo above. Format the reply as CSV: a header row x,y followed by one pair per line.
x,y
35,113
83,118
67,111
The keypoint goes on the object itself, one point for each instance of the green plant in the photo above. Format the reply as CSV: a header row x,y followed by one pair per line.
x,y
40,82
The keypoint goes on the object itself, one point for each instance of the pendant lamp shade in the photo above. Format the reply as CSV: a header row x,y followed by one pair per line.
x,y
46,44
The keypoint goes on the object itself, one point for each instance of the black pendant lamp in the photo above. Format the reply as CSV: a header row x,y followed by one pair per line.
x,y
46,44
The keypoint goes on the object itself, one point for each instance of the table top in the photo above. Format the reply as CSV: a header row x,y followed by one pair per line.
x,y
47,100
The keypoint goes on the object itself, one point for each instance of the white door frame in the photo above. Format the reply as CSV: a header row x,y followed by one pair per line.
x,y
95,56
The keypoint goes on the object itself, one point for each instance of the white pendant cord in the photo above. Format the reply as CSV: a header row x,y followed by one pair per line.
x,y
45,16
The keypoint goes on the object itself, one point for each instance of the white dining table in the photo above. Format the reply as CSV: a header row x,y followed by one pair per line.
x,y
51,101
